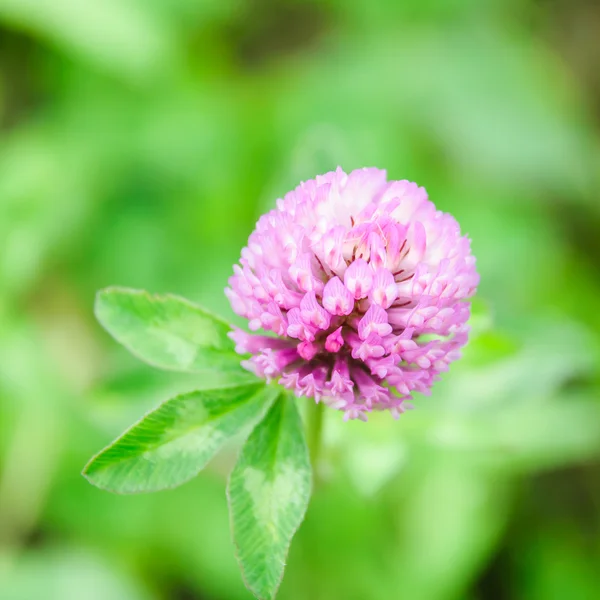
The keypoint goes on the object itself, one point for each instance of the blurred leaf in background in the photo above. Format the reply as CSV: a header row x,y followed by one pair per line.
x,y
139,142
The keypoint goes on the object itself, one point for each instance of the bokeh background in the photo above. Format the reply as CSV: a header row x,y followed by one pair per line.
x,y
139,142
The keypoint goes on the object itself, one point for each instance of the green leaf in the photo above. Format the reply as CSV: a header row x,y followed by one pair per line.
x,y
269,489
168,332
172,443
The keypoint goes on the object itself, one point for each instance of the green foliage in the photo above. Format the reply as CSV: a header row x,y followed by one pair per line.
x,y
171,444
268,491
141,139
168,332
269,488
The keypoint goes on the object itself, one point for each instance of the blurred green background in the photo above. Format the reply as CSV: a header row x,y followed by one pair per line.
x,y
139,142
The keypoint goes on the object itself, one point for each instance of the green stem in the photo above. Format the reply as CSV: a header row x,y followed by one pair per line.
x,y
314,432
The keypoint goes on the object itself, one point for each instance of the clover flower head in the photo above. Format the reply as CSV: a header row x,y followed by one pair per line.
x,y
363,284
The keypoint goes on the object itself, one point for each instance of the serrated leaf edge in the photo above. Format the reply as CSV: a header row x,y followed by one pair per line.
x,y
100,294
283,397
260,387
